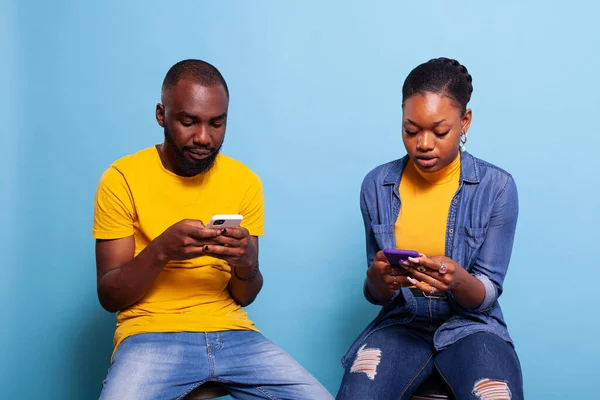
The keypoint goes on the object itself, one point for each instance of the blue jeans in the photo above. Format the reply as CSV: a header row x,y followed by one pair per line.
x,y
170,365
394,360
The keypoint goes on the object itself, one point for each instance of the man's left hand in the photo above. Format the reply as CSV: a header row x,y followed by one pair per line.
x,y
235,245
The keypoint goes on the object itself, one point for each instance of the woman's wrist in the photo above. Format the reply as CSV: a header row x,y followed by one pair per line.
x,y
374,291
467,290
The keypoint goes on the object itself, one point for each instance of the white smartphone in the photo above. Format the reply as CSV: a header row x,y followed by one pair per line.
x,y
225,221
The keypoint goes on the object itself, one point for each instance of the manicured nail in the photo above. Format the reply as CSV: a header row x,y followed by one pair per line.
x,y
413,259
411,280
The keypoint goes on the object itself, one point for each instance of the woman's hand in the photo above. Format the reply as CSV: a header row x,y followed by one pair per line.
x,y
383,280
439,273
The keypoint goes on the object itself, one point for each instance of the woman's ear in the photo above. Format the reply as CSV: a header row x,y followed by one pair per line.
x,y
465,121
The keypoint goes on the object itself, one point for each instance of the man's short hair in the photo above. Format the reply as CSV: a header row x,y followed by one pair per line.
x,y
199,71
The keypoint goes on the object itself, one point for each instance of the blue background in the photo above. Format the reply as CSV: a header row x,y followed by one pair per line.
x,y
315,104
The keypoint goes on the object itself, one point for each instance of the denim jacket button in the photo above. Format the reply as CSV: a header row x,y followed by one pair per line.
x,y
455,201
451,231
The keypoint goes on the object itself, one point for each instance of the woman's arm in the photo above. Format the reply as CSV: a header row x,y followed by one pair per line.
x,y
478,289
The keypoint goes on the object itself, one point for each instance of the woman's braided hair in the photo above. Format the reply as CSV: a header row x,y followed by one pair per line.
x,y
440,75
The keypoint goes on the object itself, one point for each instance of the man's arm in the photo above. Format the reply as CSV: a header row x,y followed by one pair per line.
x,y
240,250
122,279
245,290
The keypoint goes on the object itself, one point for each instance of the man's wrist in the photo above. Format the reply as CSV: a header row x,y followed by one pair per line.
x,y
157,253
247,274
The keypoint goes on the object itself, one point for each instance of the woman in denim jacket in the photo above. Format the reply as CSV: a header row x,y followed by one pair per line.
x,y
440,309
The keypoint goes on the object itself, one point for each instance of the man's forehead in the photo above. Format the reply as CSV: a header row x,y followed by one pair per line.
x,y
193,97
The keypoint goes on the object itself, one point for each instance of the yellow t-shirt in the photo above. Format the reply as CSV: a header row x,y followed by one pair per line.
x,y
425,197
138,196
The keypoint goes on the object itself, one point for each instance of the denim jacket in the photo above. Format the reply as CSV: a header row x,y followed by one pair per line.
x,y
479,237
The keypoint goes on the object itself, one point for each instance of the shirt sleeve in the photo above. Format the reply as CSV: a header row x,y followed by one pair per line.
x,y
372,246
492,263
252,207
114,211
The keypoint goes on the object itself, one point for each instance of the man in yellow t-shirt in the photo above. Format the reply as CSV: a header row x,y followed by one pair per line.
x,y
177,286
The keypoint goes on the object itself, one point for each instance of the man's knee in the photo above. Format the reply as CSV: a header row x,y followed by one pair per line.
x,y
137,369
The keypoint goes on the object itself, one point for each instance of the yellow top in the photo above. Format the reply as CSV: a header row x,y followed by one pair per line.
x,y
426,198
138,196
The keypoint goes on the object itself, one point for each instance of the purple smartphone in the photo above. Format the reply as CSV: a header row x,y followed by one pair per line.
x,y
395,256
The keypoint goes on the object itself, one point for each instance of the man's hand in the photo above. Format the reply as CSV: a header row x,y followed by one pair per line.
x,y
185,240
235,246
240,250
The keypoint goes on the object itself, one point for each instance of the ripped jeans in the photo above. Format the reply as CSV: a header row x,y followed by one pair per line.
x,y
392,362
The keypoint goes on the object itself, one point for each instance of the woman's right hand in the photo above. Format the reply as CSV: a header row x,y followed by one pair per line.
x,y
383,280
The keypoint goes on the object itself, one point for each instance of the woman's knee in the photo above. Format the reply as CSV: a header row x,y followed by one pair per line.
x,y
482,366
386,363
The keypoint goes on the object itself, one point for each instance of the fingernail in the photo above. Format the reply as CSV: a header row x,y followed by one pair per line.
x,y
413,259
411,280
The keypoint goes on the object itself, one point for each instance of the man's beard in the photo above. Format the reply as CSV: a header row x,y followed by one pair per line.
x,y
186,166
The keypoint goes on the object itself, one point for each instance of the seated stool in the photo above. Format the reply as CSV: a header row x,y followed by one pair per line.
x,y
208,390
434,388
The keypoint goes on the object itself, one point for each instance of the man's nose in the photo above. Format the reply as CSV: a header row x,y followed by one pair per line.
x,y
202,136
